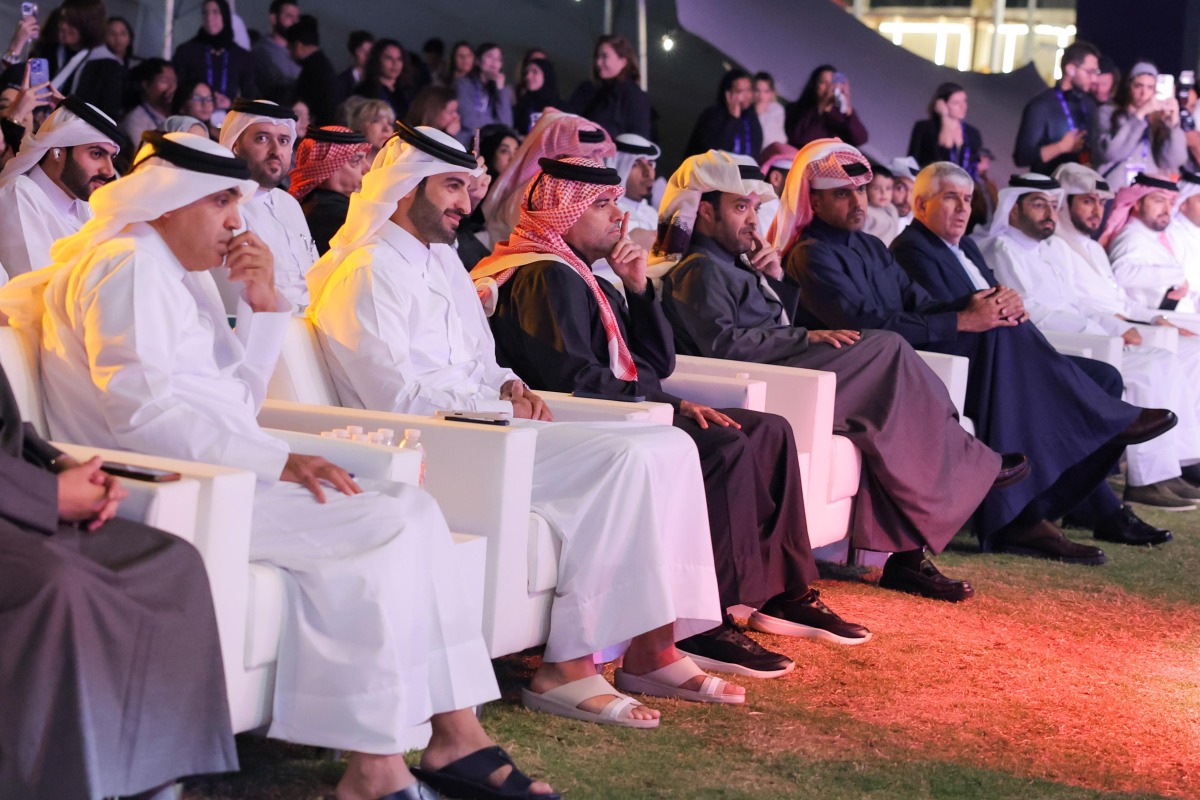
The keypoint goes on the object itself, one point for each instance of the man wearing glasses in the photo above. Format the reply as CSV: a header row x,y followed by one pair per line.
x,y
1058,126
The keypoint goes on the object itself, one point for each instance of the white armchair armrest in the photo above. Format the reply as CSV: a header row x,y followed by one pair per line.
x,y
953,371
718,392
1103,348
1161,336
364,459
567,408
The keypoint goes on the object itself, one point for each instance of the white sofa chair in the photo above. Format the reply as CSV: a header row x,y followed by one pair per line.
x,y
248,597
482,475
1108,349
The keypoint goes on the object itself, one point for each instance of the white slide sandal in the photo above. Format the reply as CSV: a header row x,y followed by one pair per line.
x,y
563,701
668,682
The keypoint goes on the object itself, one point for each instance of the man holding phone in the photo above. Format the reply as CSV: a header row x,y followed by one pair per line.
x,y
44,189
1059,125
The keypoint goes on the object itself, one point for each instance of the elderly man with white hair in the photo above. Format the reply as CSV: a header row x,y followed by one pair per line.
x,y
725,298
44,189
1022,395
378,643
264,134
1021,248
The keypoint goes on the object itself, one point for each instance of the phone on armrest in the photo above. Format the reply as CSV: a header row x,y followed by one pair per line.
x,y
620,398
476,417
139,473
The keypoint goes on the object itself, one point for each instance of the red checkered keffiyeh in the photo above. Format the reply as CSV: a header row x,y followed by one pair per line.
x,y
820,164
317,161
552,206
1122,208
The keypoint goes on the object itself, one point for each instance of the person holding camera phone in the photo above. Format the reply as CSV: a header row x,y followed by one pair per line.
x,y
1139,131
1059,124
824,110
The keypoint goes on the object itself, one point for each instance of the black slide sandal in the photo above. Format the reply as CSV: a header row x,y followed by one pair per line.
x,y
467,778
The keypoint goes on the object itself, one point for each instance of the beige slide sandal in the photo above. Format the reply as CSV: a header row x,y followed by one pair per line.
x,y
668,682
563,701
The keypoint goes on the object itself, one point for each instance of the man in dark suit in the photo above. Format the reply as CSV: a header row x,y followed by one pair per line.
x,y
109,658
849,279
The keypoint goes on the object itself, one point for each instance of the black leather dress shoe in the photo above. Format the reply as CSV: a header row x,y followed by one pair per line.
x,y
1124,527
925,580
1044,540
728,649
1014,468
1150,423
809,618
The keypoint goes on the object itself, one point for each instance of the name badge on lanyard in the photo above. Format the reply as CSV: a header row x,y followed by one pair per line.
x,y
1085,155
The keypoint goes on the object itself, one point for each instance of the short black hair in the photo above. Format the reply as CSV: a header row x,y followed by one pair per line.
x,y
765,76
277,5
728,80
713,199
357,39
1077,51
434,45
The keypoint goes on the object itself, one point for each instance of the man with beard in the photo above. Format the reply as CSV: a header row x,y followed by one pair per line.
x,y
635,162
1138,248
1022,395
726,299
263,135
44,189
330,164
1025,254
274,70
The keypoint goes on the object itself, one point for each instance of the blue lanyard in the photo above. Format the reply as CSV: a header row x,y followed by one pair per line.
x,y
224,70
1066,109
738,141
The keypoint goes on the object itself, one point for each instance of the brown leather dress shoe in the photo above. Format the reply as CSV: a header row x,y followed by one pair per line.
x,y
1150,423
1044,540
1014,468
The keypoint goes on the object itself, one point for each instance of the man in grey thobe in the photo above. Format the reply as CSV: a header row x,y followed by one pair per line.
x,y
110,665
923,475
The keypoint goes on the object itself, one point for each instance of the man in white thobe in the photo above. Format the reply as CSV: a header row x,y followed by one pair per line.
x,y
1021,248
1139,249
264,134
635,162
404,331
44,189
1183,233
377,641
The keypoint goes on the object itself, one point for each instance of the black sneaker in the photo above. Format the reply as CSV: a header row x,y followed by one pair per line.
x,y
727,649
809,618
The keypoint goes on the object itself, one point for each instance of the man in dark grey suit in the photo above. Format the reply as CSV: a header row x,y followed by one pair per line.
x,y
726,299
110,667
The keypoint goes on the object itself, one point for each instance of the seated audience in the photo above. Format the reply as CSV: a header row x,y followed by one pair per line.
x,y
726,299
768,109
1024,253
45,188
359,46
824,111
775,161
118,38
883,221
945,134
382,78
1022,395
378,641
433,56
197,101
731,124
182,123
904,174
274,69
483,99
498,146
644,534
1139,132
374,119
1184,231
263,135
613,98
1139,247
537,91
436,107
88,69
556,135
1060,124
330,164
212,57
155,79
86,721
316,85
462,61
635,162
563,330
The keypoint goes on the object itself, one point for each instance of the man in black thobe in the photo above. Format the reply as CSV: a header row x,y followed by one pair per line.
x,y
109,658
564,330
726,299
1022,395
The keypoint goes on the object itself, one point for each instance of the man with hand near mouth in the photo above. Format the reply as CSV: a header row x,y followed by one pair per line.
x,y
263,135
44,190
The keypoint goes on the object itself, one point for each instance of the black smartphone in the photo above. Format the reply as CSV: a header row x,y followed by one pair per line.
x,y
477,420
1167,303
620,398
139,473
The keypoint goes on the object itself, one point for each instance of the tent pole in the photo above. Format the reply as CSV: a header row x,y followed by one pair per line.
x,y
641,21
168,28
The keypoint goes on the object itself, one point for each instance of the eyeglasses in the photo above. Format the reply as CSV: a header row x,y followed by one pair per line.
x,y
1095,72
203,99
